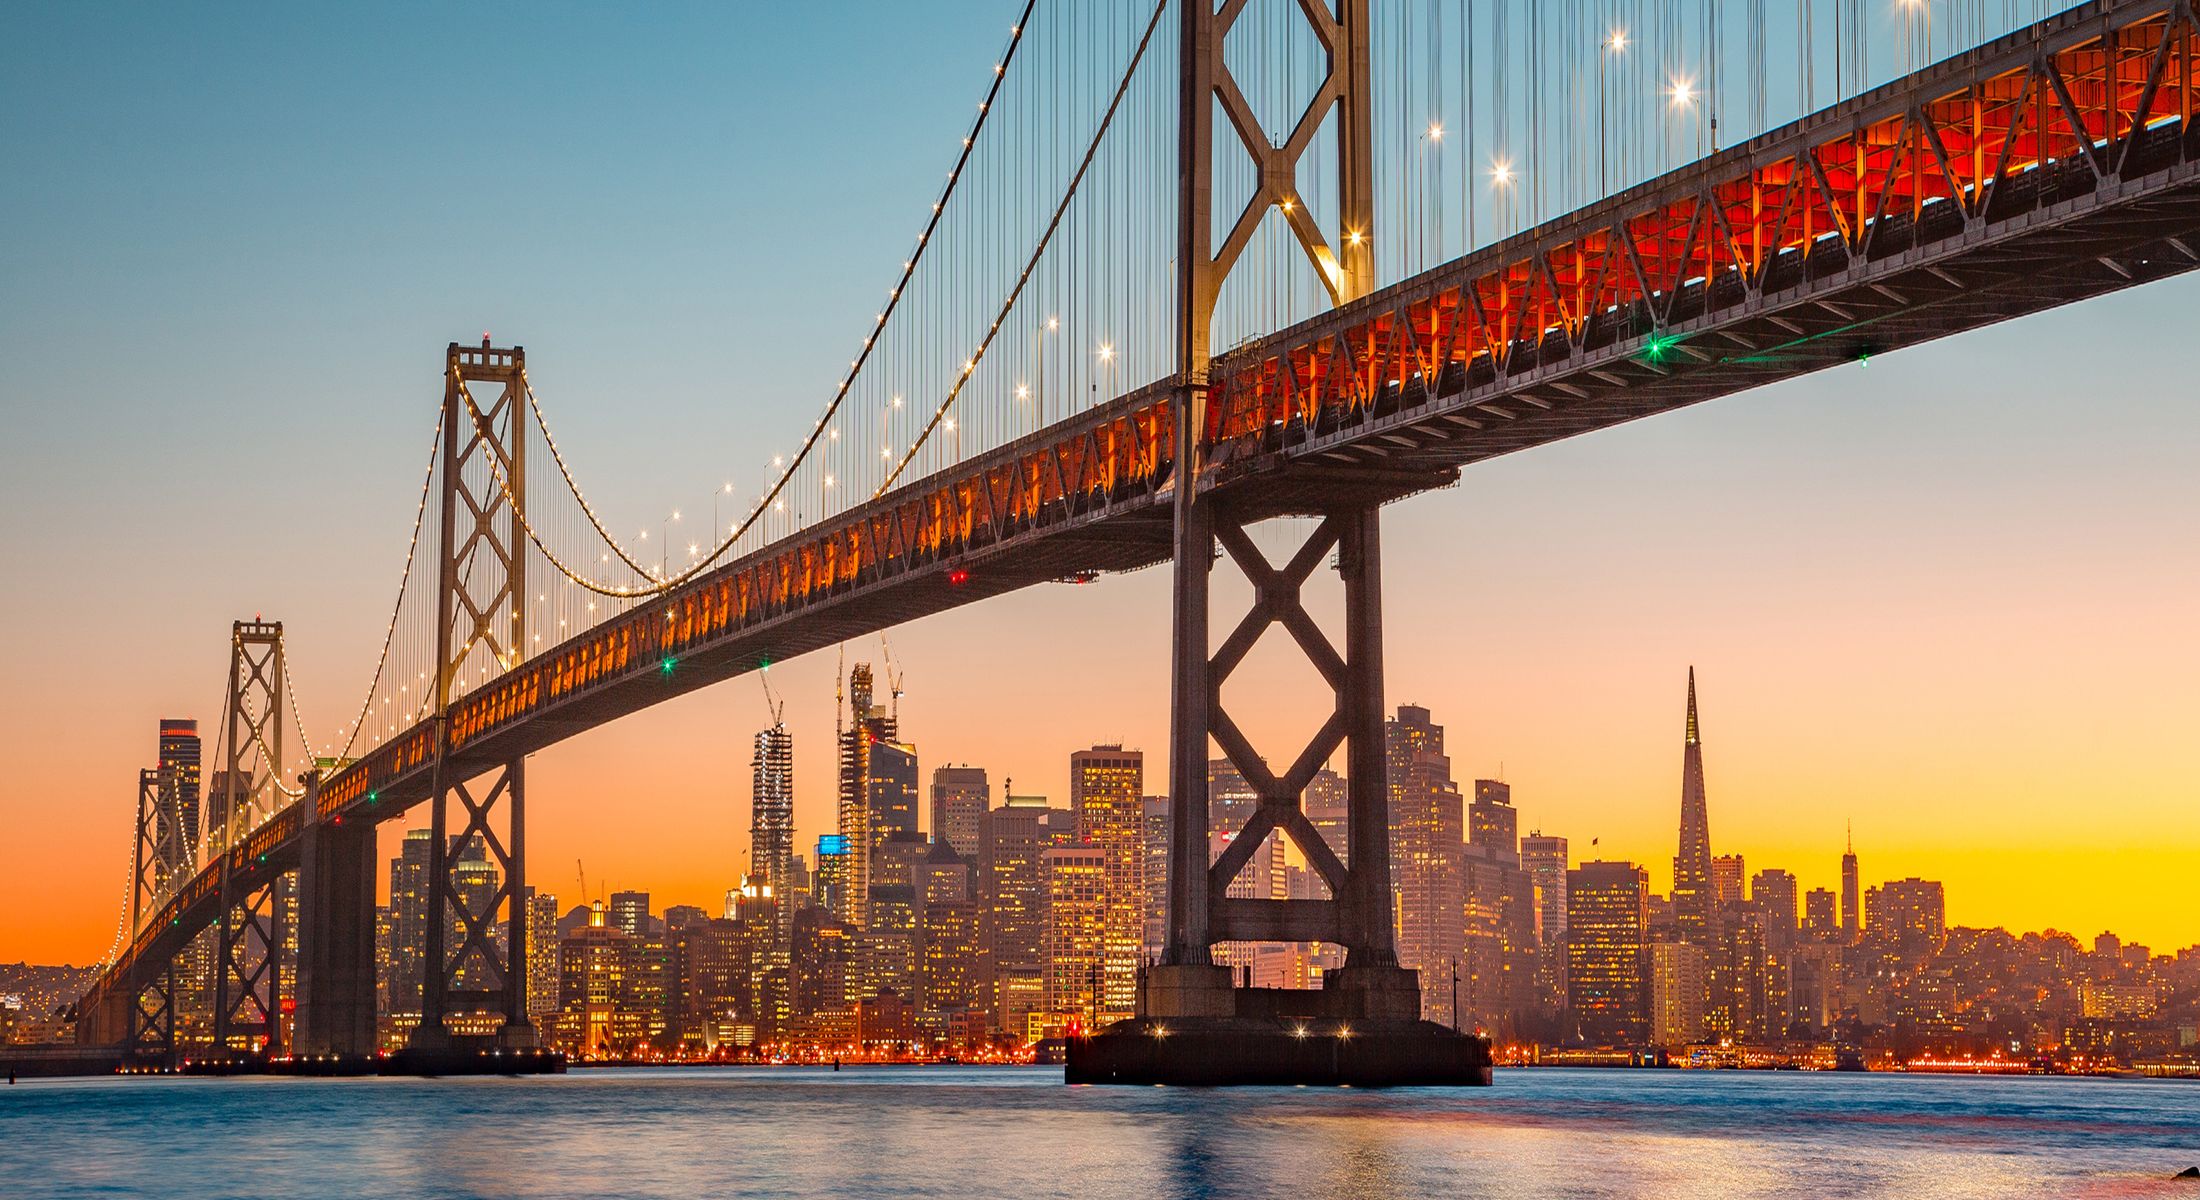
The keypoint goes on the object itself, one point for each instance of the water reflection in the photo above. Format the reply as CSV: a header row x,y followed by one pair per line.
x,y
917,1132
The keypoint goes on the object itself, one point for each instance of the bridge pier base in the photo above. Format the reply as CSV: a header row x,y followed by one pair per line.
x,y
336,975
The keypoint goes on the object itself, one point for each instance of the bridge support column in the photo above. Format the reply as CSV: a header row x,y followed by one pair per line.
x,y
152,1022
248,968
475,992
336,977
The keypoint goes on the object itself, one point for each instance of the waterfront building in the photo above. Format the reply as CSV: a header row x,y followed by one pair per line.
x,y
542,954
1154,851
1606,919
1545,859
1679,980
821,958
1076,934
947,940
1427,838
1497,965
1012,909
409,924
1107,786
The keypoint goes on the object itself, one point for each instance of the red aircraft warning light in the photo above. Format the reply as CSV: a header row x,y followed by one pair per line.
x,y
958,576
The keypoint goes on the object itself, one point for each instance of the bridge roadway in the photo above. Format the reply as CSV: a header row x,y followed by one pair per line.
x,y
1950,199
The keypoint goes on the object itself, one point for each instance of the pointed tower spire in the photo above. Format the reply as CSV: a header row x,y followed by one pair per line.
x,y
1693,909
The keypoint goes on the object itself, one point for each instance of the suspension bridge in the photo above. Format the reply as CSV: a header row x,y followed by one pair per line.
x,y
1191,269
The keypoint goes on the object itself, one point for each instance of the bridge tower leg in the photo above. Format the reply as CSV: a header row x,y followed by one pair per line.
x,y
248,964
481,631
336,970
1193,1026
160,853
1187,982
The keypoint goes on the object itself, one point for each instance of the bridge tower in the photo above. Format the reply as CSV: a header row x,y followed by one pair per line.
x,y
481,631
160,856
1216,1033
248,964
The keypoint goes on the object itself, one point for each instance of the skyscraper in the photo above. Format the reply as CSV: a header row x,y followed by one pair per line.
x,y
409,926
1678,981
947,939
1107,787
1497,970
1154,822
630,912
1913,915
1606,921
863,727
1012,911
542,953
1327,803
892,787
959,799
1427,818
1773,893
1851,927
1693,908
1545,860
771,824
1076,925
178,760
1818,915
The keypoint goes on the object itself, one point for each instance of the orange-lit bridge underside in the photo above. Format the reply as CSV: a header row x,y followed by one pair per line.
x,y
2052,165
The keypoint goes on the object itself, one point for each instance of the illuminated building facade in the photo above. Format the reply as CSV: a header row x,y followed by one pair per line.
x,y
1012,910
1427,842
1076,937
1154,835
1606,921
178,763
771,819
1107,799
542,953
960,796
1679,980
1545,859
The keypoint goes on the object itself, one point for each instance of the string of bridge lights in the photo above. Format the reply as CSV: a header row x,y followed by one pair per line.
x,y
1031,264
404,584
772,498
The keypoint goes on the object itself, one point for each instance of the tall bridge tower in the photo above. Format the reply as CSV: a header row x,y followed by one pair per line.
x,y
469,987
1216,1033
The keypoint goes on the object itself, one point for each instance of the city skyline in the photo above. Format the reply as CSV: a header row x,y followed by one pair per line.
x,y
1853,556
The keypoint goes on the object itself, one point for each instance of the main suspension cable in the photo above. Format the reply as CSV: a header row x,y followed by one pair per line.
x,y
1031,264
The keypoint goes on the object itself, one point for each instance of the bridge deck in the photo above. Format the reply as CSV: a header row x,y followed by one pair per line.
x,y
2052,165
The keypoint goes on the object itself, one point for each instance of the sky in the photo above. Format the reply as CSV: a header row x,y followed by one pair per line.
x,y
1946,598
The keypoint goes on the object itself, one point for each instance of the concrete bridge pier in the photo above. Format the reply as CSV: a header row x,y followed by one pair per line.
x,y
336,970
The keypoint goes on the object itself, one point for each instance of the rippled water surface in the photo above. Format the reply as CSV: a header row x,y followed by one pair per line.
x,y
914,1132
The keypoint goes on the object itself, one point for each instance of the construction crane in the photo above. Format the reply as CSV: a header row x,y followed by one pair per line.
x,y
773,704
893,676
